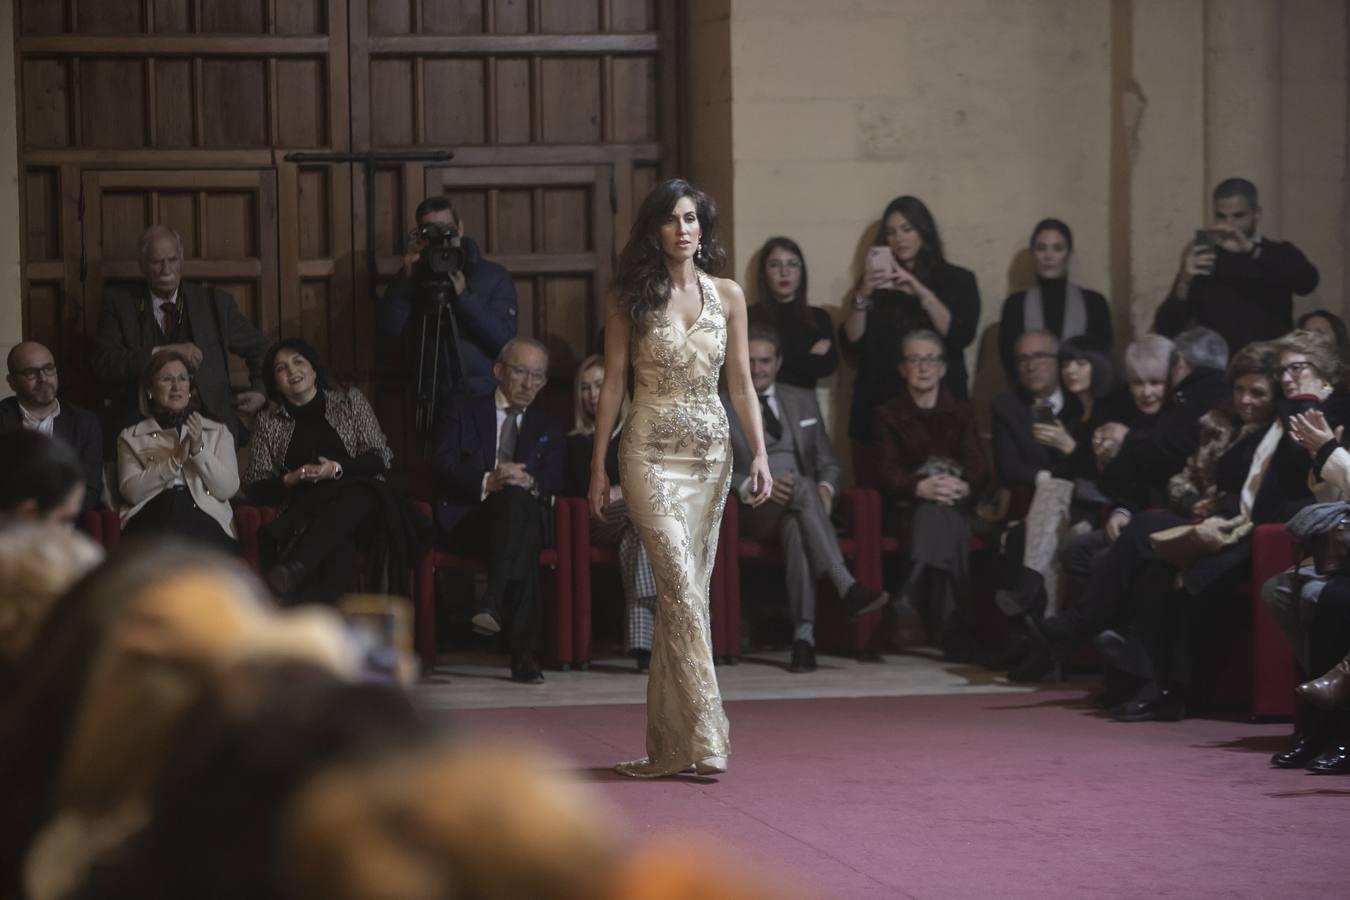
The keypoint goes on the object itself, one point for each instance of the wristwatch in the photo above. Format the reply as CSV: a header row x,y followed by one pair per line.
x,y
861,302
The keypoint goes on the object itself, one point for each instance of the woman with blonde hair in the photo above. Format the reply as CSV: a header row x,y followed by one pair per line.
x,y
639,584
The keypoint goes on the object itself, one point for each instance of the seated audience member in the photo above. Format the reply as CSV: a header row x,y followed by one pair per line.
x,y
40,479
1311,373
499,461
33,378
805,481
912,287
932,471
202,324
319,453
1313,610
1087,376
1243,473
1328,323
137,641
37,564
176,469
639,584
1019,457
1234,279
805,332
1054,304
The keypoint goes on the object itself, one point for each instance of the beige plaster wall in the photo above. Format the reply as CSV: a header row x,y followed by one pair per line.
x,y
1115,115
11,307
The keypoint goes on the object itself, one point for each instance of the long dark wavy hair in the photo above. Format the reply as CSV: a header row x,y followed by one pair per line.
x,y
764,298
643,282
916,213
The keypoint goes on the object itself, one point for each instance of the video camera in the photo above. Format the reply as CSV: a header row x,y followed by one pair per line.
x,y
441,253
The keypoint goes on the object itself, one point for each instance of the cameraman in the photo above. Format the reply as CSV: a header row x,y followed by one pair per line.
x,y
484,309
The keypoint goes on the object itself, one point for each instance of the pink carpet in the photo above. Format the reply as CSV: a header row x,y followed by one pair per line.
x,y
978,796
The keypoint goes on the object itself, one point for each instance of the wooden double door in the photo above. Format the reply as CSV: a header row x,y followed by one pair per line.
x,y
559,116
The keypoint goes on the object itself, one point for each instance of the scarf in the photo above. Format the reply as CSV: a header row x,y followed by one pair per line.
x,y
1265,452
1075,311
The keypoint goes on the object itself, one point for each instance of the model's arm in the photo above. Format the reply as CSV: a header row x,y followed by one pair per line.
x,y
742,388
618,330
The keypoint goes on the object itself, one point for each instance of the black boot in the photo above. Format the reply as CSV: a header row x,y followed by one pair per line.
x,y
1312,736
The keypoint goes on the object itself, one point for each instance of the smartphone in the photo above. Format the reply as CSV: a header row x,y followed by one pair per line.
x,y
1041,414
1206,237
382,626
879,259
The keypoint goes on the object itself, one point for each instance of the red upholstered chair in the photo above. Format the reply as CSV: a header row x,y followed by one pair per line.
x,y
1274,672
103,525
247,520
556,586
722,599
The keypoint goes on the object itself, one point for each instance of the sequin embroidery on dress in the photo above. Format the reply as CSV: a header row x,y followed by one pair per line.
x,y
675,444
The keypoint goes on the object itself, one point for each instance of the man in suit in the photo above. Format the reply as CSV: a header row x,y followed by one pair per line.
x,y
1018,457
498,462
202,323
805,481
35,407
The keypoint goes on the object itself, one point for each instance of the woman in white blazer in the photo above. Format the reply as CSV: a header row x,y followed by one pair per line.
x,y
175,469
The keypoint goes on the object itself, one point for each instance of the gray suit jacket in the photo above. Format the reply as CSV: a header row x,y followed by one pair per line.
x,y
801,415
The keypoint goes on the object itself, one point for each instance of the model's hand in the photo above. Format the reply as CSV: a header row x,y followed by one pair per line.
x,y
1054,434
820,347
875,277
1310,430
905,281
307,474
1115,523
1106,442
249,402
191,352
826,497
761,480
1204,508
598,495
782,489
328,469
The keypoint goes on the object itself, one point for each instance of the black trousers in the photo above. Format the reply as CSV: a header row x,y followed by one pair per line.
x,y
173,511
1112,588
334,516
507,530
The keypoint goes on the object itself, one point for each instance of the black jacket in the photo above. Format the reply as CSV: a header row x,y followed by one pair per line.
x,y
127,334
1246,298
78,427
1018,456
893,315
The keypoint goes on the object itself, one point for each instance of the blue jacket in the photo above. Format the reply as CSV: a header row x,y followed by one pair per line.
x,y
485,314
466,450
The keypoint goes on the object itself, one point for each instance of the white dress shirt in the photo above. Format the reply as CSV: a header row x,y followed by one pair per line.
x,y
42,425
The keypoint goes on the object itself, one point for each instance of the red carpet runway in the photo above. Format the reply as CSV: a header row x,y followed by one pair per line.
x,y
1032,795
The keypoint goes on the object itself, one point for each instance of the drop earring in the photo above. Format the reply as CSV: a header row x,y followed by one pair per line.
x,y
698,253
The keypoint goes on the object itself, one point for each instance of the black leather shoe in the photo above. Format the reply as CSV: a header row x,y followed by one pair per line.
x,y
285,578
525,670
1164,706
803,658
1335,761
644,660
1304,749
859,601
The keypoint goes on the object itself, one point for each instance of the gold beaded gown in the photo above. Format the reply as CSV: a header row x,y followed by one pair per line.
x,y
675,463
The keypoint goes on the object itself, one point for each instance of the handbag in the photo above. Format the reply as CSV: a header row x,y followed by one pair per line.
x,y
1184,544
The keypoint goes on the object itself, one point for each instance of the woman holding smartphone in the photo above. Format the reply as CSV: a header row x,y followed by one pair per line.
x,y
907,285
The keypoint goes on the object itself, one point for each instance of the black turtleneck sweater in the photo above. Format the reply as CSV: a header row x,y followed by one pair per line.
x,y
1012,324
801,367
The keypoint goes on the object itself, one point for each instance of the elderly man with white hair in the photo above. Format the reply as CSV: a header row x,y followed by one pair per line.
x,y
164,313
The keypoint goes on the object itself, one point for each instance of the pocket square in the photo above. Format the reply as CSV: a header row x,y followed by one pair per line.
x,y
805,422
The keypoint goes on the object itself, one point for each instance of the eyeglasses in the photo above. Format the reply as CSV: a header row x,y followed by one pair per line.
x,y
533,377
1026,359
1294,370
919,361
31,374
790,265
173,379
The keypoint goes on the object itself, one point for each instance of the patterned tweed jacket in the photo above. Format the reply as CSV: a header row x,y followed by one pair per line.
x,y
347,411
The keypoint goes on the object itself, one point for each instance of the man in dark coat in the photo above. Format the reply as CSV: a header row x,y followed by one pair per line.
x,y
498,463
33,378
202,323
483,307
